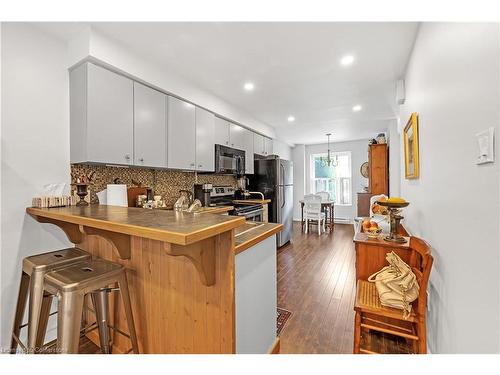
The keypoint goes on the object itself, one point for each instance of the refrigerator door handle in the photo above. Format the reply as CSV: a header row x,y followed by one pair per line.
x,y
283,196
282,182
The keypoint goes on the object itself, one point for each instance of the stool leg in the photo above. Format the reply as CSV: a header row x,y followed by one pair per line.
x,y
69,316
44,320
127,306
35,308
101,307
21,305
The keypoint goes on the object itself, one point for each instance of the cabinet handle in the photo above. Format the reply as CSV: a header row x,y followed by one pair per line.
x,y
227,142
232,144
127,157
192,164
141,160
200,166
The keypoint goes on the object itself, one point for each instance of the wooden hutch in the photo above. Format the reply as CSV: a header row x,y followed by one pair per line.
x,y
378,176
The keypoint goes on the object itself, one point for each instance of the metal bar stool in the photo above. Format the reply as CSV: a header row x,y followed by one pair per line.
x,y
71,284
34,269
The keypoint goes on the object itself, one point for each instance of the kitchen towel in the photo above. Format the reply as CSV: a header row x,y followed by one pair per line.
x,y
117,195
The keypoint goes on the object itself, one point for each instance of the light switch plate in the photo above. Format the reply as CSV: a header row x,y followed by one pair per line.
x,y
485,146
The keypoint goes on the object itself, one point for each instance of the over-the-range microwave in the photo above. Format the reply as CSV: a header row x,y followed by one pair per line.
x,y
229,160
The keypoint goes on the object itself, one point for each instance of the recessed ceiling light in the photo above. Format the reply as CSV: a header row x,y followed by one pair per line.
x,y
249,86
347,60
291,119
357,108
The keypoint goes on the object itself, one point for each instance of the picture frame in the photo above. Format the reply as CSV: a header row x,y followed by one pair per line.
x,y
411,148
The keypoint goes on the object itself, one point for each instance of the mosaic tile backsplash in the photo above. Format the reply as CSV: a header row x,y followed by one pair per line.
x,y
168,182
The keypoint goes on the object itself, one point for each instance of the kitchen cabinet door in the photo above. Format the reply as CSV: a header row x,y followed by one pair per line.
x,y
221,132
248,147
268,146
258,144
205,140
181,135
110,117
150,127
236,136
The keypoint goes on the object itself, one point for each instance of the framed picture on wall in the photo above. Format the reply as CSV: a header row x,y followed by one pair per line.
x,y
410,139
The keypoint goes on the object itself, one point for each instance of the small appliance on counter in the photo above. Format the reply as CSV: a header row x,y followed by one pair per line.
x,y
202,192
224,196
241,190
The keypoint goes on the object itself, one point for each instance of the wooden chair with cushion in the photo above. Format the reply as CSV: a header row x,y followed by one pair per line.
x,y
371,315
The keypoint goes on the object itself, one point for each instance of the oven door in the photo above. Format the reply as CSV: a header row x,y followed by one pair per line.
x,y
254,215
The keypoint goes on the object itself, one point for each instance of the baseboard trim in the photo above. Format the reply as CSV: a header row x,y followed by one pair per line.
x,y
275,348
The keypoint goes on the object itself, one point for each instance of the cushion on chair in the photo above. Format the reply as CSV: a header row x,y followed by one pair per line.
x,y
367,300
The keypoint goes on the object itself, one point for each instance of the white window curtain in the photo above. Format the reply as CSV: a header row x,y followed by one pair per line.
x,y
335,180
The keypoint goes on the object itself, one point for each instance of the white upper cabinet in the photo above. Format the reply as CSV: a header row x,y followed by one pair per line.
x,y
181,136
262,145
236,136
205,140
248,147
221,132
268,146
258,144
102,118
150,127
115,120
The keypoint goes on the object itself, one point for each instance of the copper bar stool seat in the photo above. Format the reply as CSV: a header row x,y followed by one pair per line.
x,y
32,278
71,284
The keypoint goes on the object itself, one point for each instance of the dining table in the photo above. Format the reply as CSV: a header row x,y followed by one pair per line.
x,y
327,207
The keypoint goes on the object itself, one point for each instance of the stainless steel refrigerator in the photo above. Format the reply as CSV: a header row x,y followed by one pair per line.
x,y
274,178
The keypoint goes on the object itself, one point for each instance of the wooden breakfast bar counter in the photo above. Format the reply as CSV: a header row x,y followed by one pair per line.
x,y
180,271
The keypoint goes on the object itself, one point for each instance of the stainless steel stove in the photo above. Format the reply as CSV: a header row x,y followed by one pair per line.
x,y
224,196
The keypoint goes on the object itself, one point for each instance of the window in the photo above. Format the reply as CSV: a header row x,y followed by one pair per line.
x,y
335,180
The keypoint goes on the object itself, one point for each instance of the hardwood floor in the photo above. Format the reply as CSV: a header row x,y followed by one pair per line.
x,y
316,282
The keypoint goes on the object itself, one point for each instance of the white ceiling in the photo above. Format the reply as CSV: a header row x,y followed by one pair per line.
x,y
294,66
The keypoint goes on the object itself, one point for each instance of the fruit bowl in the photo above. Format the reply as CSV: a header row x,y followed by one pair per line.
x,y
393,204
373,233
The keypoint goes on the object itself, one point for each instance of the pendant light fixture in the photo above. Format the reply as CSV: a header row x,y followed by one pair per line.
x,y
328,161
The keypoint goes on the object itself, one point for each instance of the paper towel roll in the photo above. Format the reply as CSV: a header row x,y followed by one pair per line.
x,y
117,195
103,196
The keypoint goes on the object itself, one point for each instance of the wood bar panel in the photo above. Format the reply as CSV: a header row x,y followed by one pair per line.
x,y
173,311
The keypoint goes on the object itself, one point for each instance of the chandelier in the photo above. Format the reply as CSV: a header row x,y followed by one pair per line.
x,y
328,161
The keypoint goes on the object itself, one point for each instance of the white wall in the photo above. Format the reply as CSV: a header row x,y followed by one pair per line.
x,y
299,182
105,50
394,136
35,149
359,154
452,81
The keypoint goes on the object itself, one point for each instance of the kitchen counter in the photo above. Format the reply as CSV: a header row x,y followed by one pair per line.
x,y
182,228
251,233
214,210
252,201
181,271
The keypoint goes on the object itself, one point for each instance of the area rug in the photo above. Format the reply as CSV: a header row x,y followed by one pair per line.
x,y
282,317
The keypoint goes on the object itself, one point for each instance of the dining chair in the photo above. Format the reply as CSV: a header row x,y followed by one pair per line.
x,y
371,315
312,211
325,196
